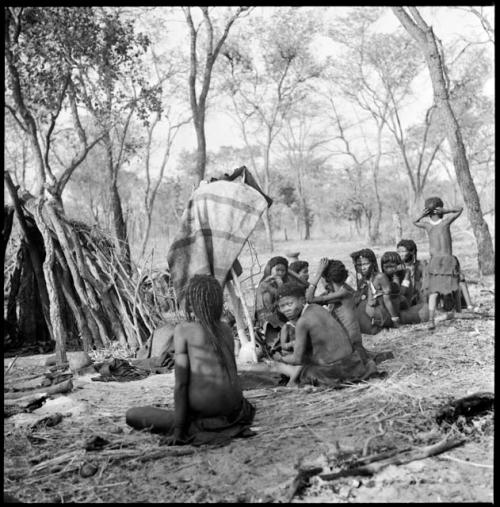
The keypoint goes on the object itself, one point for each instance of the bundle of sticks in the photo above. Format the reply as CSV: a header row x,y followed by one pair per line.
x,y
85,288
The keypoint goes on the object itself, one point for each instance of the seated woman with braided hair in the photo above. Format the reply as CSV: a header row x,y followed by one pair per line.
x,y
323,354
340,300
375,309
209,406
414,287
399,276
268,317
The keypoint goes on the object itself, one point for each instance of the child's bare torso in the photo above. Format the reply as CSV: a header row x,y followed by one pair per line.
x,y
212,390
328,340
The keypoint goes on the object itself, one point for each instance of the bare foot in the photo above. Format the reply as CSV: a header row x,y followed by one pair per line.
x,y
431,326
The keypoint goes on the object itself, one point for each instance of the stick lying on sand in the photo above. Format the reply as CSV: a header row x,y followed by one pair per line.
x,y
365,467
63,387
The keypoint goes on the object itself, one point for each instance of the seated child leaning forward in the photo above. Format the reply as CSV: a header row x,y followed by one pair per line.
x,y
208,399
415,283
322,353
376,311
339,298
400,283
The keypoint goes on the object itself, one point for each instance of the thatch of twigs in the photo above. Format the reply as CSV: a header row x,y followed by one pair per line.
x,y
100,299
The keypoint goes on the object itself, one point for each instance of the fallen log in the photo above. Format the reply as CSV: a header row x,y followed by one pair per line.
x,y
41,381
61,387
26,404
399,459
37,382
15,380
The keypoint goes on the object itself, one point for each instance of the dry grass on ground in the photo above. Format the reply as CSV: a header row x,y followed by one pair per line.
x,y
291,424
43,465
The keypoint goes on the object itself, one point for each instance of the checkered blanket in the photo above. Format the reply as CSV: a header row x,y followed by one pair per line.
x,y
217,221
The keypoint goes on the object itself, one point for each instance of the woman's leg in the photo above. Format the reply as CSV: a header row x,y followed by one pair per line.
x,y
432,309
290,370
157,420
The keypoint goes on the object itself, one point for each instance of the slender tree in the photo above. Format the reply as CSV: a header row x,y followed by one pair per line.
x,y
270,67
203,72
423,33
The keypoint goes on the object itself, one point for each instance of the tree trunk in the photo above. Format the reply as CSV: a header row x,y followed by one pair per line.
x,y
58,331
117,220
266,216
398,227
369,225
146,233
486,254
357,223
8,218
306,213
267,225
201,159
424,35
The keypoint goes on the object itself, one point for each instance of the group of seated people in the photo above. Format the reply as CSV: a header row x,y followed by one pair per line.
x,y
310,328
388,297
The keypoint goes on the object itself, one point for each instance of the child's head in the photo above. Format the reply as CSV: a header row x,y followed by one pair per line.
x,y
301,268
407,249
335,272
431,203
204,297
278,266
365,261
291,299
390,262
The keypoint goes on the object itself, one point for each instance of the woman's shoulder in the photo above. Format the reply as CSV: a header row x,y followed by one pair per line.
x,y
187,325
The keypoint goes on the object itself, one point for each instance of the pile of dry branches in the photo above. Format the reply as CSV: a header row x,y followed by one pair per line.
x,y
79,284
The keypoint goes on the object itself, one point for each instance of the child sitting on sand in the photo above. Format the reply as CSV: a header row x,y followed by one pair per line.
x,y
339,298
323,353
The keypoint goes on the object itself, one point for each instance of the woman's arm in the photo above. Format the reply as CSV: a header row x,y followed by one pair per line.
x,y
331,297
381,281
454,213
316,278
296,277
181,398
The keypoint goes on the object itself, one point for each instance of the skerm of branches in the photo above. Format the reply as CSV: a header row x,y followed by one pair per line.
x,y
66,60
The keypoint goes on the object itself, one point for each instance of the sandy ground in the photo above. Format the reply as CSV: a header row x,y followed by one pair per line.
x,y
291,424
